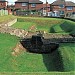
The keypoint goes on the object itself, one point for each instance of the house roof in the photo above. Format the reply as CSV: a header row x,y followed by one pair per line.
x,y
35,1
44,5
66,3
29,1
69,3
21,1
58,2
3,1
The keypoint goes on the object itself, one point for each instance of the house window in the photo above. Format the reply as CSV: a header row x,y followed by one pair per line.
x,y
61,6
33,5
61,12
1,3
24,4
69,8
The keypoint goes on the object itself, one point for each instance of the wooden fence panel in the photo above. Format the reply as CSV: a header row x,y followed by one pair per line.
x,y
3,12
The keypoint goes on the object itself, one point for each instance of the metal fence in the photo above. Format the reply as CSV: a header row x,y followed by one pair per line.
x,y
3,12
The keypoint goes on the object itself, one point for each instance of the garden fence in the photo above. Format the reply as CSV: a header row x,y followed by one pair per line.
x,y
3,12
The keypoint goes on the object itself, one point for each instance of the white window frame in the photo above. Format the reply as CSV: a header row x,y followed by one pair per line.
x,y
24,4
62,5
69,8
33,5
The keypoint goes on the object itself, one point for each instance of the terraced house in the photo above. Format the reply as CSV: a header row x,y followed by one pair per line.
x,y
4,8
46,9
28,5
3,4
63,8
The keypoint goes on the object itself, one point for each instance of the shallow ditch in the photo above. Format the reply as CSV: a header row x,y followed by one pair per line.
x,y
52,60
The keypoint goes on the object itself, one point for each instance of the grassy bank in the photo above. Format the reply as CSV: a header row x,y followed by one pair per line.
x,y
43,24
60,60
65,27
36,73
50,25
7,18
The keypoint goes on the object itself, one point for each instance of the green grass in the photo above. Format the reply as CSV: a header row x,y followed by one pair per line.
x,y
25,62
46,24
29,62
68,26
58,29
7,43
23,25
62,60
40,73
6,18
42,24
68,56
65,26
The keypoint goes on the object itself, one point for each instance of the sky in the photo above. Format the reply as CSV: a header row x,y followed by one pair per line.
x,y
50,1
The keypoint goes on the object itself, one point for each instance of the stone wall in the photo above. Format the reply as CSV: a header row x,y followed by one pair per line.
x,y
6,28
13,31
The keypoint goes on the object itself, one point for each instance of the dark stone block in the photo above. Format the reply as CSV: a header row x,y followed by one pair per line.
x,y
36,44
73,35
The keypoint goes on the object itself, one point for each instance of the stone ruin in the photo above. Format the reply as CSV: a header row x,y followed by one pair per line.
x,y
51,42
37,44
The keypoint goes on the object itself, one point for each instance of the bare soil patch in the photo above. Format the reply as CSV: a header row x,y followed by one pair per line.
x,y
18,49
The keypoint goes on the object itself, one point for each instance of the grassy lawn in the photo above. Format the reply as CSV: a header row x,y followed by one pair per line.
x,y
46,24
60,62
23,25
29,62
68,26
25,62
68,56
43,24
40,73
58,29
6,18
65,26
7,43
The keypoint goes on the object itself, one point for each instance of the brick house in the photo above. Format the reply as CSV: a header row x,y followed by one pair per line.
x,y
29,5
70,8
11,9
46,9
3,4
63,8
